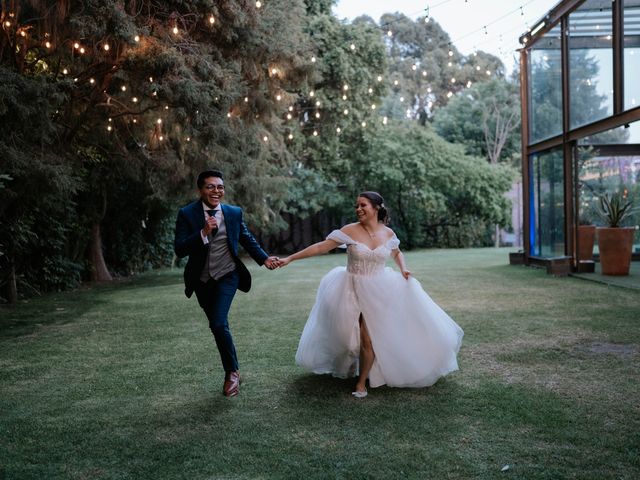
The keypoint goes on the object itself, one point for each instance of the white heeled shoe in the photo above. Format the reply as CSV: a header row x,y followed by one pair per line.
x,y
358,394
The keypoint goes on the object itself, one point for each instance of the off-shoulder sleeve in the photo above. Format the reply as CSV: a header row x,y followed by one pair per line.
x,y
340,237
393,243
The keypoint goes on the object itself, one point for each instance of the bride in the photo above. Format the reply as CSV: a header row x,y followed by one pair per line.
x,y
372,320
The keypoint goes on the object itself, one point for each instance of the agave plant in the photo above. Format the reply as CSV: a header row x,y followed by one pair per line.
x,y
613,209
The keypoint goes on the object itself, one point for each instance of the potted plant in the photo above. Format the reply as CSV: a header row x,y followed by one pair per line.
x,y
615,242
586,239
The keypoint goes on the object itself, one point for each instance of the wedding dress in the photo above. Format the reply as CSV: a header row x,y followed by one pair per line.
x,y
414,340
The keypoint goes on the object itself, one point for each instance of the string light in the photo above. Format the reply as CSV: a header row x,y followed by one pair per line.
x,y
134,99
175,30
258,4
212,20
106,47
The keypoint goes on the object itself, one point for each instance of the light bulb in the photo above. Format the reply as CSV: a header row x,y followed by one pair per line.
x,y
212,20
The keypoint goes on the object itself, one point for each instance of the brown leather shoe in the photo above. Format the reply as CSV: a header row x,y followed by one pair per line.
x,y
231,386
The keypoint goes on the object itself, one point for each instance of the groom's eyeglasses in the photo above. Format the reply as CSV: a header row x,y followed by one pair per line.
x,y
211,186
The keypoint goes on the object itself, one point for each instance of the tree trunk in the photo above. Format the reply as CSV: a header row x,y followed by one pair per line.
x,y
497,242
98,267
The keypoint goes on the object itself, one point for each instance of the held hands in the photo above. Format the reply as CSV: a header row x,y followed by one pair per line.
x,y
276,262
272,262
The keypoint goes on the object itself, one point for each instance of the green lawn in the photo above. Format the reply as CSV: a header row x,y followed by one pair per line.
x,y
123,382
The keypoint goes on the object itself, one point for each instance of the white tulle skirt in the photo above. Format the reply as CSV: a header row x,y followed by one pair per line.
x,y
414,340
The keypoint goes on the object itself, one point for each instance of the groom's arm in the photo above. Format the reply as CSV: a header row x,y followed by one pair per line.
x,y
251,245
188,240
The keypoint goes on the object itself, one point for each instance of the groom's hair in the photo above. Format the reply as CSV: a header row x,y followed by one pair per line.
x,y
207,174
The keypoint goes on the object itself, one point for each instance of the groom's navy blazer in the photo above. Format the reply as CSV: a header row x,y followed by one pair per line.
x,y
189,242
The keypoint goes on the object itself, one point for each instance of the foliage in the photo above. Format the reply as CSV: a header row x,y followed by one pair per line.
x,y
426,70
437,195
485,119
117,126
614,209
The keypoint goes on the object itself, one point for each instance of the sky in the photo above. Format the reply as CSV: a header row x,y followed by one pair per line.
x,y
464,20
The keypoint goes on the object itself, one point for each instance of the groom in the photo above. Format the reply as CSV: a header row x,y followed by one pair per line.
x,y
209,232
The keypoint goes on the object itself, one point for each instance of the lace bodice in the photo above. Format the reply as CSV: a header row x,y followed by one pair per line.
x,y
361,260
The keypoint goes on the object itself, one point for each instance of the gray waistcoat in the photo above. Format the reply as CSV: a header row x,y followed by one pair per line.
x,y
219,262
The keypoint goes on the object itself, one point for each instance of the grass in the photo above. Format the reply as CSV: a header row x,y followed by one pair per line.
x,y
123,382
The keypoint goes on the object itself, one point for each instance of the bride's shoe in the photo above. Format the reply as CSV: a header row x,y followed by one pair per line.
x,y
359,394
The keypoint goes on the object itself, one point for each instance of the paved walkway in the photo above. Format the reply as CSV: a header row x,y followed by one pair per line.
x,y
628,281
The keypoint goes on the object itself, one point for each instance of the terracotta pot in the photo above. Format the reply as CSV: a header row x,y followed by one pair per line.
x,y
586,238
615,246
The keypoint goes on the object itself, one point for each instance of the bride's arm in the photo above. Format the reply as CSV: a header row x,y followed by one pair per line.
x,y
316,249
398,257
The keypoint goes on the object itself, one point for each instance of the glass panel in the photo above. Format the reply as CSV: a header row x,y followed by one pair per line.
x,y
631,53
546,230
590,63
545,87
605,169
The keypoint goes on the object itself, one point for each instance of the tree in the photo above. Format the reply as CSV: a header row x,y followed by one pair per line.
x,y
134,98
485,119
438,196
426,70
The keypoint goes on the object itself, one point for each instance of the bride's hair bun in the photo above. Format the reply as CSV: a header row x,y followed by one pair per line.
x,y
378,202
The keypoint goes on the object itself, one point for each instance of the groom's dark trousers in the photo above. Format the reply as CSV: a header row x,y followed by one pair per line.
x,y
215,295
